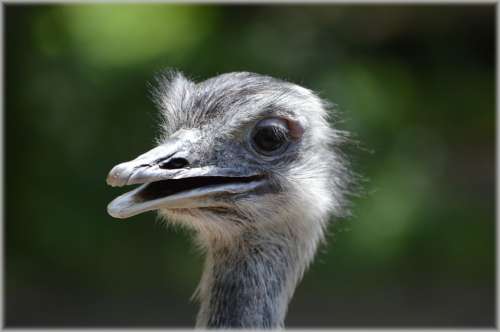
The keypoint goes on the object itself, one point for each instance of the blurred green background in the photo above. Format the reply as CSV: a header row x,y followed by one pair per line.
x,y
415,83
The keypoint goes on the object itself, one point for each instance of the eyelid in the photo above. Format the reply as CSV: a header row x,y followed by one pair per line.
x,y
294,128
276,122
279,126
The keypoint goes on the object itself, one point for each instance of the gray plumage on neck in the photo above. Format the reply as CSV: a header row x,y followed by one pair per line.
x,y
253,166
246,288
250,283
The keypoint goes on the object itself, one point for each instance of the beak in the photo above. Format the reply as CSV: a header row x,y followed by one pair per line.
x,y
169,180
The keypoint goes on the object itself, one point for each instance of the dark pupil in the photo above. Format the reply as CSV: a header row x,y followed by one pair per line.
x,y
269,138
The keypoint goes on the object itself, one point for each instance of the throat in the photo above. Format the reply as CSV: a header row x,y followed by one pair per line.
x,y
247,286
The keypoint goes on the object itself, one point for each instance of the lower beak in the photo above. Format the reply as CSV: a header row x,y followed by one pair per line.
x,y
137,201
181,188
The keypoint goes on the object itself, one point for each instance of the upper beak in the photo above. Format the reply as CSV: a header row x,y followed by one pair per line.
x,y
150,166
166,183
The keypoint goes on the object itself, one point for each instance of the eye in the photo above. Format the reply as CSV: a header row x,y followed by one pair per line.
x,y
270,136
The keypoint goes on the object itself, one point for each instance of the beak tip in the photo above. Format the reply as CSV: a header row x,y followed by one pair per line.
x,y
116,214
115,176
115,210
113,182
114,179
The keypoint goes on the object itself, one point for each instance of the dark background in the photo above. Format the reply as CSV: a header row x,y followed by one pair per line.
x,y
415,83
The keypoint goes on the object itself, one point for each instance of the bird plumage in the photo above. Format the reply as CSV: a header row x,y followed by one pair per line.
x,y
261,219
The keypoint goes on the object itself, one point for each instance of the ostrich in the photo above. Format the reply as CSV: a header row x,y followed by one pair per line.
x,y
251,164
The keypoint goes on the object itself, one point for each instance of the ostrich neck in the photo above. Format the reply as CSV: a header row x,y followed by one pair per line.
x,y
249,284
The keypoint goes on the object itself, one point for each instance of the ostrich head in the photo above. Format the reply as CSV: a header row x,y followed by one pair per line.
x,y
251,164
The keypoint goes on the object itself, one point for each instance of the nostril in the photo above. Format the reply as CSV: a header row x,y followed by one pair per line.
x,y
174,163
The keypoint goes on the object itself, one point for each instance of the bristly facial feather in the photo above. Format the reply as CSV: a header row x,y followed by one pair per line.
x,y
313,177
276,229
